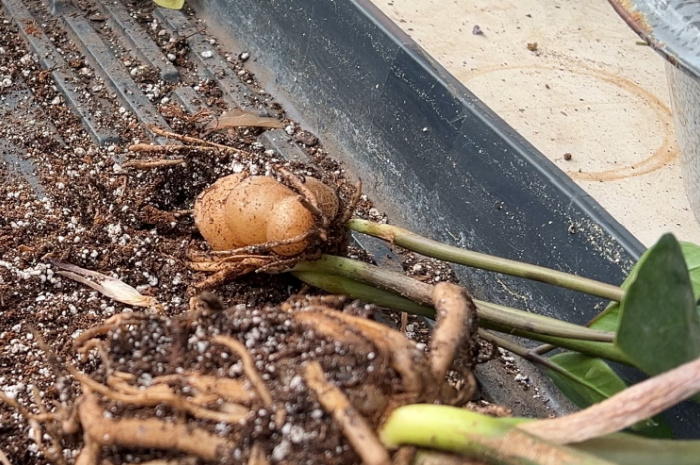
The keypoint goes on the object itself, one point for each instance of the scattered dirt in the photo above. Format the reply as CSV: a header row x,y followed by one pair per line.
x,y
66,198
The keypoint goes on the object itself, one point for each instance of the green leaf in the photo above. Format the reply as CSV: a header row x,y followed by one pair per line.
x,y
590,380
171,4
659,323
609,319
691,252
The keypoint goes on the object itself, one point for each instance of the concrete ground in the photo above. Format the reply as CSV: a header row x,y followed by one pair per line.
x,y
573,79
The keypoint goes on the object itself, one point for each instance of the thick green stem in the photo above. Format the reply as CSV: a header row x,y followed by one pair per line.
x,y
500,318
508,319
495,440
627,449
357,290
431,248
618,448
323,279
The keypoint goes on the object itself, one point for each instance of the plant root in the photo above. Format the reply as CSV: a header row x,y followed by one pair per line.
x,y
257,455
248,366
161,394
196,141
455,313
264,247
99,431
352,204
150,164
111,324
355,428
402,352
238,370
4,460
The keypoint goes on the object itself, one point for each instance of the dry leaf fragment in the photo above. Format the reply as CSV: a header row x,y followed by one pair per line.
x,y
107,286
238,117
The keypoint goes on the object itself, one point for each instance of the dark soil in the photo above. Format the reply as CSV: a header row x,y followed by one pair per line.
x,y
295,428
66,198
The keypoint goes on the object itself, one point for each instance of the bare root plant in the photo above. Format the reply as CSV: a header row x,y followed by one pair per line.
x,y
294,382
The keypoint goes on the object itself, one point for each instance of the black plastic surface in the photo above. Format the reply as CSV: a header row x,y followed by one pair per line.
x,y
429,152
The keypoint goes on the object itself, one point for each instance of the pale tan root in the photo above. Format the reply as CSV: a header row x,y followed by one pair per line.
x,y
53,453
157,392
4,460
264,247
454,319
350,209
221,277
308,196
355,428
90,453
404,455
225,256
150,164
225,388
87,347
624,409
404,323
173,111
248,366
280,266
178,461
258,456
172,148
113,322
387,340
37,423
145,433
195,140
162,394
337,331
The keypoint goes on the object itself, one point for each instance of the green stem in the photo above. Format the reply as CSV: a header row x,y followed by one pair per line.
x,y
627,449
500,318
357,290
431,248
336,284
525,353
618,448
495,440
604,350
508,319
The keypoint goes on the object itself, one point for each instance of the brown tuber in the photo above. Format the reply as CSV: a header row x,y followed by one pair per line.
x,y
239,211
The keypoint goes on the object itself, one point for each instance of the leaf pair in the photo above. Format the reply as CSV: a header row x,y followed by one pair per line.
x,y
657,327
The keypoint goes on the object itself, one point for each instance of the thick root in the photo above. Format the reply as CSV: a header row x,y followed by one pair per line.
x,y
100,431
455,314
355,428
163,394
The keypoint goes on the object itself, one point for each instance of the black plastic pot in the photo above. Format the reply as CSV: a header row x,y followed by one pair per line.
x,y
434,157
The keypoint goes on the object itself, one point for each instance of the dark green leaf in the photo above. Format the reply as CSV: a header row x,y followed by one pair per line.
x,y
590,381
609,319
691,252
659,323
